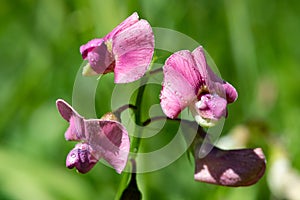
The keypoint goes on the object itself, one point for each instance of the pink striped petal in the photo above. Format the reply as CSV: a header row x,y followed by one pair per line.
x,y
75,132
110,140
191,82
88,47
209,110
129,21
231,93
101,138
183,63
176,93
214,83
127,51
101,60
181,83
133,49
207,75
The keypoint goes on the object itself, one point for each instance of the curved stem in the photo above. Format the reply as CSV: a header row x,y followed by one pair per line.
x,y
118,112
157,118
201,131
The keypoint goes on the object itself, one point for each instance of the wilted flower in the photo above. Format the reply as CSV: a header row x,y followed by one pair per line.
x,y
127,51
190,82
240,167
98,138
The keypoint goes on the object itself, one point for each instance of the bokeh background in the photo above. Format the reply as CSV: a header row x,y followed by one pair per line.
x,y
255,45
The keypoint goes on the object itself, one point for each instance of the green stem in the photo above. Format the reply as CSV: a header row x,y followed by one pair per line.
x,y
123,183
156,71
118,112
135,140
138,117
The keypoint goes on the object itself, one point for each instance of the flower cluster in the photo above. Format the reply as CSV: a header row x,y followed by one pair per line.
x,y
188,82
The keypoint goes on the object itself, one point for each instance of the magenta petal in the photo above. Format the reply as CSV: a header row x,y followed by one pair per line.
x,y
65,110
133,49
209,78
132,19
214,83
231,93
212,106
211,81
181,83
81,158
76,129
184,64
242,167
100,138
176,93
86,48
109,139
127,51
202,66
101,60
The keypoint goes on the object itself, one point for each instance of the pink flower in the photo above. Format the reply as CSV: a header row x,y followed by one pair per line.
x,y
99,138
240,167
190,82
127,51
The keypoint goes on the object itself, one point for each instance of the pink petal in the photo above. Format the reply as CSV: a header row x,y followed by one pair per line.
x,y
86,48
132,19
214,83
211,107
101,60
65,110
232,168
133,48
231,93
201,65
109,139
184,64
76,129
176,93
209,78
181,83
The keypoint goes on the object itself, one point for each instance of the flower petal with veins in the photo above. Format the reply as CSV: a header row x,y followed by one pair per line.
x,y
190,82
127,51
100,138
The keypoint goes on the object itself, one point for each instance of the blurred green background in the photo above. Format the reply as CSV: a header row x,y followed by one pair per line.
x,y
255,45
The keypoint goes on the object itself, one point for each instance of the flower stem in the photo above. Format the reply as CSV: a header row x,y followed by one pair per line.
x,y
135,143
138,116
123,183
156,71
157,118
118,111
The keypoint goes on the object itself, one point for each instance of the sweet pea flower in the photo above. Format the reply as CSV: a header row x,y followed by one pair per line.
x,y
98,138
127,51
190,82
233,168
